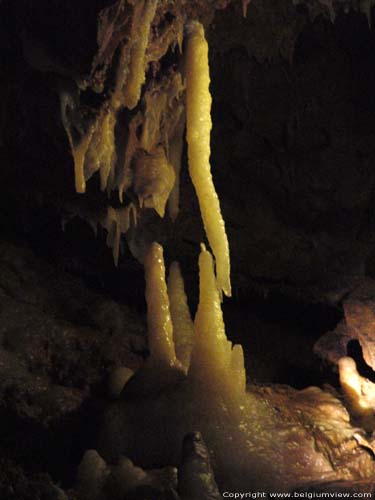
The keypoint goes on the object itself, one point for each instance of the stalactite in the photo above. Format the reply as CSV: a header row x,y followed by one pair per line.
x,y
117,223
245,4
153,180
101,153
126,174
144,13
198,122
78,147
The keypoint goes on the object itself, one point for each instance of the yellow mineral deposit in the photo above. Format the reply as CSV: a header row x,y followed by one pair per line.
x,y
144,13
183,328
359,393
213,359
79,154
101,154
95,150
195,379
198,130
126,174
160,328
267,437
117,222
154,178
156,103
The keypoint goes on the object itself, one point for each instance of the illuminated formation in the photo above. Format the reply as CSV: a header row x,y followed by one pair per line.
x,y
152,159
198,121
213,358
160,328
359,393
182,324
267,438
194,379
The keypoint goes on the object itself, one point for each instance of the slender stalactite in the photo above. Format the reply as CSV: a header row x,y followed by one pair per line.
x,y
199,124
117,222
144,12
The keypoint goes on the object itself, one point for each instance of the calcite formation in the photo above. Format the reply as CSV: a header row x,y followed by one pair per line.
x,y
151,80
263,438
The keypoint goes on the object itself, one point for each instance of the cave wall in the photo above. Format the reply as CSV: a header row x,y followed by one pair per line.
x,y
294,146
292,149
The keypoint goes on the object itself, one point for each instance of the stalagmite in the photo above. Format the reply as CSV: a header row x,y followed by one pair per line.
x,y
213,361
92,474
198,121
183,328
160,329
98,480
267,438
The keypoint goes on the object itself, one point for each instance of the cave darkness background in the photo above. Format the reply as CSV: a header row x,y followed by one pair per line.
x,y
293,154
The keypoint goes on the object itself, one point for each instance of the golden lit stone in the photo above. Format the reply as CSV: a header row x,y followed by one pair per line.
x,y
198,122
101,154
160,329
153,180
183,328
144,13
213,359
359,393
117,222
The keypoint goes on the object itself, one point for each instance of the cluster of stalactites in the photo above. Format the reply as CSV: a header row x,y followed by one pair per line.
x,y
95,149
201,347
151,163
117,222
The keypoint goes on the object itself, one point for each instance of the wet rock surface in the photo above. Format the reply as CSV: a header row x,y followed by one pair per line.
x,y
59,342
353,336
293,154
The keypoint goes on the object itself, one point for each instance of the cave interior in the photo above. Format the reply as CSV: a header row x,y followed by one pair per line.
x,y
85,414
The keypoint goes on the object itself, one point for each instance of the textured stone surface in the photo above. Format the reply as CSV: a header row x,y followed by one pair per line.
x,y
58,342
359,311
292,142
293,149
358,325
